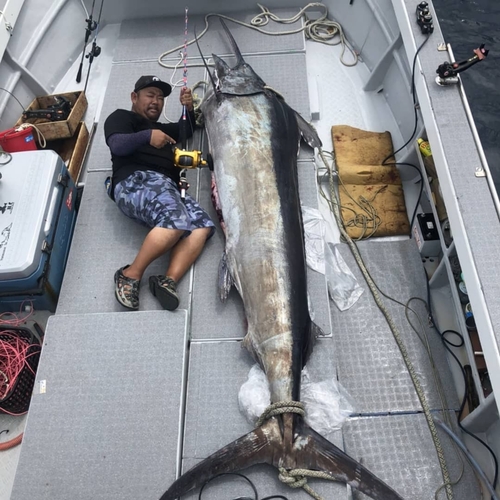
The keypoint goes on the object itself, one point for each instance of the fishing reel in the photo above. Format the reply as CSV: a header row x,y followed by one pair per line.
x,y
424,18
448,72
188,159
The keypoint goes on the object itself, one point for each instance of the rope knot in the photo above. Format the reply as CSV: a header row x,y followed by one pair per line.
x,y
292,478
279,408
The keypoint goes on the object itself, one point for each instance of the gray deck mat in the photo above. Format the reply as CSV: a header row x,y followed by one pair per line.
x,y
121,83
9,458
213,419
107,426
370,364
212,319
105,240
142,39
399,449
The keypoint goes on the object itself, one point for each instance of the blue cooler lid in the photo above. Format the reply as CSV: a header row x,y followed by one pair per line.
x,y
29,194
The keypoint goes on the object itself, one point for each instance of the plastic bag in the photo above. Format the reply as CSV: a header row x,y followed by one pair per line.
x,y
314,236
254,396
343,286
327,403
325,258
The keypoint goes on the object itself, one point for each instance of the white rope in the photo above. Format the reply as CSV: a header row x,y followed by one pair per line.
x,y
174,85
85,9
321,30
41,138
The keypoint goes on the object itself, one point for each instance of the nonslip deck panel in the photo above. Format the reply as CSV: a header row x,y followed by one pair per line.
x,y
105,240
371,366
399,449
142,39
107,425
210,426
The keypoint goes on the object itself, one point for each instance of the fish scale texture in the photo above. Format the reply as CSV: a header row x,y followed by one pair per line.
x,y
212,319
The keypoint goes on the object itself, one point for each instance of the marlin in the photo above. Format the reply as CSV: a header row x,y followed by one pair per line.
x,y
254,139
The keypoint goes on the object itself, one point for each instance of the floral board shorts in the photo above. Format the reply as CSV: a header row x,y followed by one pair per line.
x,y
153,200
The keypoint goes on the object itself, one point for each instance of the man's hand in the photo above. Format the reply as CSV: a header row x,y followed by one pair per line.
x,y
159,139
186,98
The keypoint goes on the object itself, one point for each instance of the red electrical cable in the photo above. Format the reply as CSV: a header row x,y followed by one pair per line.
x,y
13,359
12,319
13,442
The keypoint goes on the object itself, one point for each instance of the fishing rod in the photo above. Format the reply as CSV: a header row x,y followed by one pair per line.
x,y
95,50
183,158
91,26
183,180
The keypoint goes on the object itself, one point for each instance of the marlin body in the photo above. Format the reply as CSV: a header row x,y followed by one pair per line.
x,y
254,141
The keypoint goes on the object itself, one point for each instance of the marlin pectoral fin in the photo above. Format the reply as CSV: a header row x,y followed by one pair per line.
x,y
321,454
250,449
314,332
308,132
226,281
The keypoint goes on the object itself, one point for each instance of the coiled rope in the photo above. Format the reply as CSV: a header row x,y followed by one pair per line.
x,y
321,30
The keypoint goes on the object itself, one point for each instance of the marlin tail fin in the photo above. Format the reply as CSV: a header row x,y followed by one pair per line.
x,y
266,445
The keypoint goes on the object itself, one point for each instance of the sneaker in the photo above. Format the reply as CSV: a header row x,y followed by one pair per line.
x,y
127,290
163,288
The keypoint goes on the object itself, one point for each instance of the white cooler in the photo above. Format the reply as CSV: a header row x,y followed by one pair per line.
x,y
37,216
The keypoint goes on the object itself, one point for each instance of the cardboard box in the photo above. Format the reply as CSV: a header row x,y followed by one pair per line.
x,y
435,189
58,129
72,150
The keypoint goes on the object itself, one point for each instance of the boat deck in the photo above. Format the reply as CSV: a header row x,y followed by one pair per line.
x,y
134,398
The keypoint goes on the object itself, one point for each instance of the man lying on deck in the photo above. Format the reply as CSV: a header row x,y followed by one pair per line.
x,y
145,186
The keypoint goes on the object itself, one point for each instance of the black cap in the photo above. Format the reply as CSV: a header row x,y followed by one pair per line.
x,y
152,81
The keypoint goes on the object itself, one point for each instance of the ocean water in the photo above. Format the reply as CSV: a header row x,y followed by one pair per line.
x,y
466,24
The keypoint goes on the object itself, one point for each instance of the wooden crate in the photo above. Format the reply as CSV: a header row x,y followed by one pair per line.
x,y
58,129
72,150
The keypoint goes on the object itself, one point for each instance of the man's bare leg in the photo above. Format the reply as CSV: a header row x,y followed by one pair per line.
x,y
158,242
182,257
185,252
